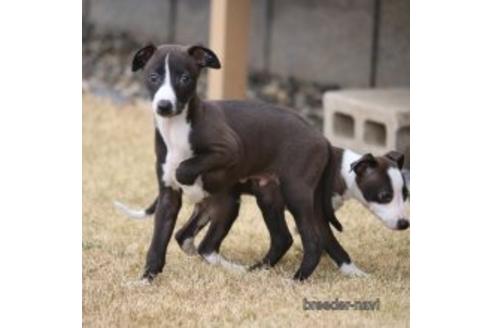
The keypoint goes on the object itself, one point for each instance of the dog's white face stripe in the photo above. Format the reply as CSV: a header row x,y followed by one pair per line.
x,y
166,90
391,212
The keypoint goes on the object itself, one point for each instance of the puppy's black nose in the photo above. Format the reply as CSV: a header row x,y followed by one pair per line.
x,y
164,107
402,224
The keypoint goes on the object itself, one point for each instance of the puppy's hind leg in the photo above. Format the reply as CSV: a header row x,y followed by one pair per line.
x,y
300,202
331,244
224,212
340,256
186,235
270,201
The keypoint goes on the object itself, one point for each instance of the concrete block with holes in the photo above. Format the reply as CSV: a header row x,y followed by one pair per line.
x,y
369,120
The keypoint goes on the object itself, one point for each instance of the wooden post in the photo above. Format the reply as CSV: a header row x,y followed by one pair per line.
x,y
229,34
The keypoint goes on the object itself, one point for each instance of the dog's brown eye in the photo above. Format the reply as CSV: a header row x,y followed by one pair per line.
x,y
154,78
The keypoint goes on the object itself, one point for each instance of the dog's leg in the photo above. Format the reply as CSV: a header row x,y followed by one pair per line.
x,y
331,244
189,170
168,207
270,201
224,210
300,202
186,235
339,255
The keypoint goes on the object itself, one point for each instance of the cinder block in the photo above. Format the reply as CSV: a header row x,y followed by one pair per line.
x,y
370,120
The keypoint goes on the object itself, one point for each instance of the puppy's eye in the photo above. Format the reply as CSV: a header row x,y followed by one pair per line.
x,y
154,78
185,79
384,196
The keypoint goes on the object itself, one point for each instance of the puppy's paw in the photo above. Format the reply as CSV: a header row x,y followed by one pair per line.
x,y
259,266
185,176
217,259
143,282
188,246
351,270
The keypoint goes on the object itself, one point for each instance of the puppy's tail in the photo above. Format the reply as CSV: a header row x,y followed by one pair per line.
x,y
133,213
329,177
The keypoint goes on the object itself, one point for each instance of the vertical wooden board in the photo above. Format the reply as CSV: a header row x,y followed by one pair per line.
x,y
229,34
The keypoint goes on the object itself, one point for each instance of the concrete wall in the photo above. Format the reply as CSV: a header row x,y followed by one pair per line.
x,y
145,19
323,40
393,67
328,41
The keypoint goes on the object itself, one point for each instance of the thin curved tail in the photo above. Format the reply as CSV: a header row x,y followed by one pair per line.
x,y
133,213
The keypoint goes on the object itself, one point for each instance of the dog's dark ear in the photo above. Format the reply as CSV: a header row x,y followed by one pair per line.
x,y
363,163
204,56
142,57
396,157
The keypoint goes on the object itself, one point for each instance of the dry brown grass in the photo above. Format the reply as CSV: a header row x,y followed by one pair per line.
x,y
118,164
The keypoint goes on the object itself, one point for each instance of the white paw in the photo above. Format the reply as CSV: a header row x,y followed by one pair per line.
x,y
138,283
351,270
217,259
188,246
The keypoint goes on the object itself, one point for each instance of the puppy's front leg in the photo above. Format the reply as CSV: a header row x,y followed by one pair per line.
x,y
189,170
168,206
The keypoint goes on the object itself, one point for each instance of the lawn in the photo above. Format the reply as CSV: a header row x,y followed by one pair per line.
x,y
118,163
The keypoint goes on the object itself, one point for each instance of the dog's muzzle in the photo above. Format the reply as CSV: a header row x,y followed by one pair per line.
x,y
164,108
402,224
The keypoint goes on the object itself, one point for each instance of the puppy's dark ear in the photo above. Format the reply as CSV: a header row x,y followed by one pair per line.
x,y
142,57
363,163
204,56
396,157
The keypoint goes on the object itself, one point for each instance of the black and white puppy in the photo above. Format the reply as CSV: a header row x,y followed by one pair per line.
x,y
204,148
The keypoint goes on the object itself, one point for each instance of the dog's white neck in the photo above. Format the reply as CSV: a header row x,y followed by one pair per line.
x,y
175,133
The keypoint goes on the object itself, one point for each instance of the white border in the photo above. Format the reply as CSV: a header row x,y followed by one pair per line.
x,y
451,56
41,164
40,175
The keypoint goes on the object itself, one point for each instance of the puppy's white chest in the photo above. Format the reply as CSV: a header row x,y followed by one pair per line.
x,y
176,134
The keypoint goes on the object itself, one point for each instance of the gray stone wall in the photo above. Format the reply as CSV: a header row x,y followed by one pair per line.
x,y
323,40
393,67
327,41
